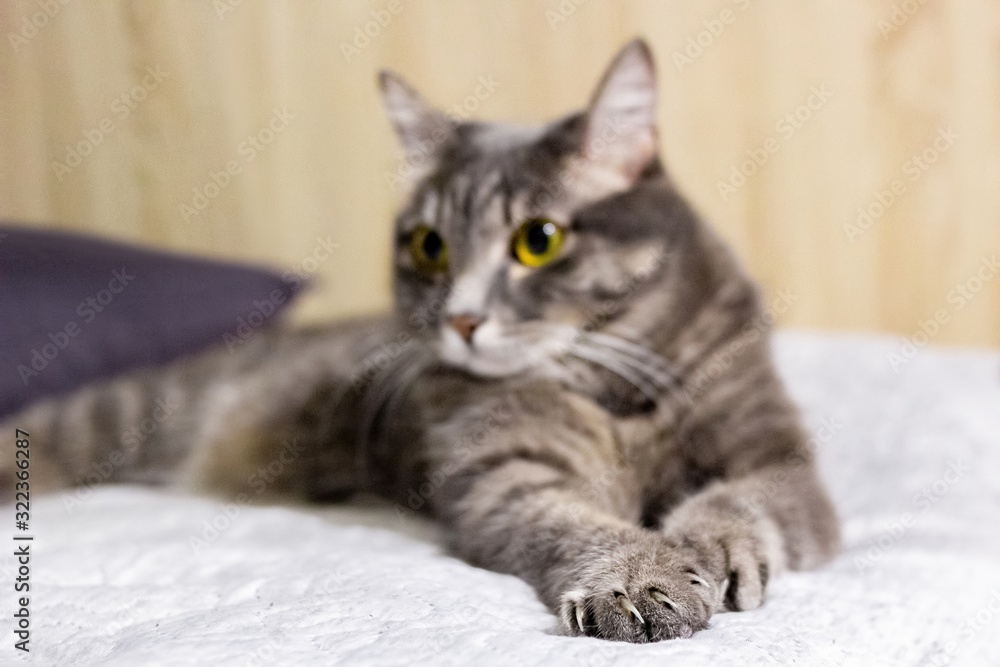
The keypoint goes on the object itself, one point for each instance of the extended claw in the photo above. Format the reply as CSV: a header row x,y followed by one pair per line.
x,y
660,597
723,589
695,579
627,605
579,618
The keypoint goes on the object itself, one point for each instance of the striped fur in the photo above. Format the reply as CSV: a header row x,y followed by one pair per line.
x,y
613,431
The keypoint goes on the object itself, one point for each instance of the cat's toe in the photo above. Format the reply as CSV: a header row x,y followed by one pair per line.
x,y
605,615
747,578
575,614
669,608
645,589
670,619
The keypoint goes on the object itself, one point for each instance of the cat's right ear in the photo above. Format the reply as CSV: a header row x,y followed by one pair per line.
x,y
422,130
620,136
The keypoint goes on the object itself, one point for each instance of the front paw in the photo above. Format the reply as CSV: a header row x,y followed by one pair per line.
x,y
739,554
644,590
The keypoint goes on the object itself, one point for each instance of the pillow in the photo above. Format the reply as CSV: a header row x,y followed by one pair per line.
x,y
75,309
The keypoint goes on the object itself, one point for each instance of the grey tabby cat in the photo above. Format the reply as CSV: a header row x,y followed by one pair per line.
x,y
577,382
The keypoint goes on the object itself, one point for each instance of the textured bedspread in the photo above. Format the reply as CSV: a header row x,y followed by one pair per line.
x,y
127,576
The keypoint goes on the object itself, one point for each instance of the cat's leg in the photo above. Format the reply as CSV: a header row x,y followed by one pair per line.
x,y
738,534
270,416
542,491
767,509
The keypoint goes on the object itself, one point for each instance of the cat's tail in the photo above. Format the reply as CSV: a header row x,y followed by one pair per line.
x,y
205,422
138,427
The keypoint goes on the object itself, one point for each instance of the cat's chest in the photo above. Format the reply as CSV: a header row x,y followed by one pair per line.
x,y
645,438
650,446
648,436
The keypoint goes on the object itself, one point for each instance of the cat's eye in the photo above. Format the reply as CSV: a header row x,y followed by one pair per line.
x,y
429,251
537,242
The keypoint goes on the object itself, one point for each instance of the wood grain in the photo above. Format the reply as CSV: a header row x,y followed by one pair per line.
x,y
893,89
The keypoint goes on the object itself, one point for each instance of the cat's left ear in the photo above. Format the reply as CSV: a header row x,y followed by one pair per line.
x,y
422,129
620,133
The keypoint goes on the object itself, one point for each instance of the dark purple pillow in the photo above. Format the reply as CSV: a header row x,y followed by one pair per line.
x,y
76,309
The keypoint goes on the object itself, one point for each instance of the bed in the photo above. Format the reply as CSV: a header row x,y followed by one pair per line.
x,y
130,576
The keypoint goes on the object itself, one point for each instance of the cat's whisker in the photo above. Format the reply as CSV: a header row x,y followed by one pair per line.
x,y
608,361
639,353
661,383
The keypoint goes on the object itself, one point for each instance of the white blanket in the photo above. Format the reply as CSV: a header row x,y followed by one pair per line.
x,y
912,458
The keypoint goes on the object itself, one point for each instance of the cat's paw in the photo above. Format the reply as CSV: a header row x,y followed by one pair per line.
x,y
739,553
640,592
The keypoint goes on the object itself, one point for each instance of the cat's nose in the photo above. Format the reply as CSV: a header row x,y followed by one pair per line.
x,y
465,324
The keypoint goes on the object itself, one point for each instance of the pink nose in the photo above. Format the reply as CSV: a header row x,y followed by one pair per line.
x,y
465,324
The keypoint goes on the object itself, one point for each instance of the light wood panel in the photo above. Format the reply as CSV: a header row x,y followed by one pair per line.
x,y
322,174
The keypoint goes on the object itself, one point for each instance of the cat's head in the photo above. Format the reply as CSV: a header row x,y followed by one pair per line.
x,y
517,239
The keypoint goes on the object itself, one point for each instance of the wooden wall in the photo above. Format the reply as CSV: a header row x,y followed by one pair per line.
x,y
904,94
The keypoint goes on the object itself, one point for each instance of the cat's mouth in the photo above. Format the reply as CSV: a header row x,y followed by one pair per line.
x,y
489,352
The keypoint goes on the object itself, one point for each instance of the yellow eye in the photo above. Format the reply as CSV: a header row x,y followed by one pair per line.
x,y
428,249
537,242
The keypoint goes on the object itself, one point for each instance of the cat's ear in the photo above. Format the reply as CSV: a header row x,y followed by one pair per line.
x,y
422,129
620,133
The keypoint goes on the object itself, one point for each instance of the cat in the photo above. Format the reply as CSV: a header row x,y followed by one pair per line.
x,y
576,382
